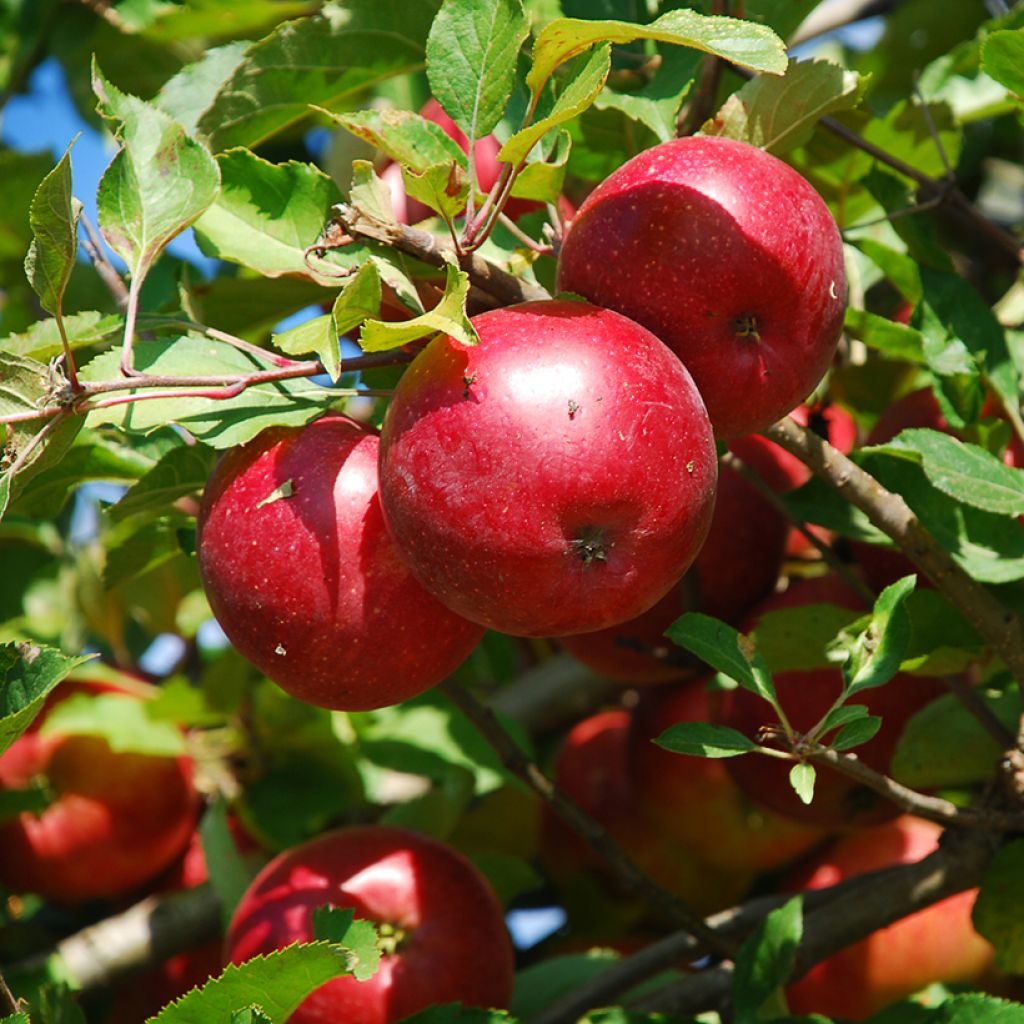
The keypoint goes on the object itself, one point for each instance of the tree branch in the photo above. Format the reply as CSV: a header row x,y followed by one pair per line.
x,y
998,626
93,246
631,876
498,283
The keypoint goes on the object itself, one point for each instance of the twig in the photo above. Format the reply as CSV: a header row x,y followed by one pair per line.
x,y
998,626
631,876
93,246
425,247
986,717
831,558
517,232
954,867
8,1004
700,107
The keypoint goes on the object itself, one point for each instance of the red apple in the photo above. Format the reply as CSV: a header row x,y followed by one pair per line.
x,y
445,923
731,258
935,944
593,769
695,800
117,819
805,696
738,565
557,478
303,578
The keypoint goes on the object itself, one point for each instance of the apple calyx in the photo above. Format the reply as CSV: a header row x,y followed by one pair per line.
x,y
390,937
591,546
746,327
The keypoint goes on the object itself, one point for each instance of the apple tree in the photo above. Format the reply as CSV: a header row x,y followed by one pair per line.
x,y
511,510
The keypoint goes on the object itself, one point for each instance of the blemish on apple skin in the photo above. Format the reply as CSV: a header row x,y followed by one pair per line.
x,y
690,466
286,490
573,408
281,649
468,381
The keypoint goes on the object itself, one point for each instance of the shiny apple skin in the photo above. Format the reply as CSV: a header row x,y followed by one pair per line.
x,y
454,946
731,258
557,478
309,587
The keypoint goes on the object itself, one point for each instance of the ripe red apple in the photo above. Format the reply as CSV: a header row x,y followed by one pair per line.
x,y
303,578
695,800
935,944
730,257
805,697
593,769
442,918
117,819
738,565
556,478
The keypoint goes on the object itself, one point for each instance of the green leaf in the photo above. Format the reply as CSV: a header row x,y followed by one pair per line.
x,y
442,187
53,216
801,778
964,471
543,179
540,984
318,335
324,60
42,340
780,113
725,650
856,733
766,959
999,909
740,42
359,300
472,52
877,652
267,215
841,716
121,720
275,984
221,19
405,137
369,194
181,473
16,1018
188,93
1002,58
583,82
32,800
975,1008
702,739
942,747
159,182
796,639
227,872
358,937
448,316
250,1015
906,133
30,672
221,423
892,340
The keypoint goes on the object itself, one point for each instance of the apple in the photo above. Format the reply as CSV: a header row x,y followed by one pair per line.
x,y
695,800
557,478
115,821
730,257
593,769
738,565
935,944
304,580
805,696
442,922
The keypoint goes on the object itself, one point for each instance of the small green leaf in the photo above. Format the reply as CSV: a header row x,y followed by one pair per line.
x,y
318,335
274,984
583,82
725,650
877,652
267,215
941,747
448,316
999,909
780,113
30,672
34,799
964,471
359,300
1002,58
226,870
53,217
703,739
740,42
369,194
442,187
855,733
892,340
250,1015
766,959
801,778
359,938
796,639
472,52
542,180
159,182
838,717
181,473
119,719
405,137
